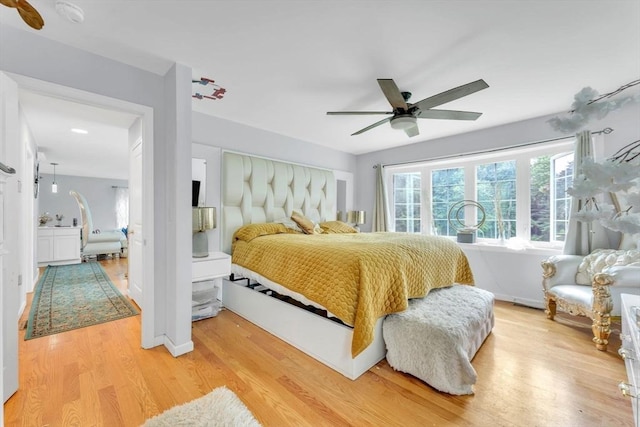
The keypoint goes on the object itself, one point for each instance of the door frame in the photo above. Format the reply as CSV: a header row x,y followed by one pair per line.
x,y
148,334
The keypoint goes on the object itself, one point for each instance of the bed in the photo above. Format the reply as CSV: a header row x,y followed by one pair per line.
x,y
355,277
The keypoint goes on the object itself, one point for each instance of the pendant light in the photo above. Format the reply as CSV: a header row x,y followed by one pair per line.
x,y
54,186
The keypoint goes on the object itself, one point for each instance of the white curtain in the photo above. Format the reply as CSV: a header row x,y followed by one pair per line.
x,y
122,207
381,208
582,237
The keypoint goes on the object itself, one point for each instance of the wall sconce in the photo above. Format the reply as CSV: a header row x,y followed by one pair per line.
x,y
54,186
203,219
356,218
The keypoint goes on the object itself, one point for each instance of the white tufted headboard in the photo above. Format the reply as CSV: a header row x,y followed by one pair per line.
x,y
257,190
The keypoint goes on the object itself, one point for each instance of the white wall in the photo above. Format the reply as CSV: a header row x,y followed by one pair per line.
x,y
99,193
512,276
217,132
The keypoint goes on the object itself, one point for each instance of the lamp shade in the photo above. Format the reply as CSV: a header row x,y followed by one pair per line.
x,y
203,219
356,217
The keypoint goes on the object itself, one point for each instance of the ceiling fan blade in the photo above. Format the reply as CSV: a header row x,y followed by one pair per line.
x,y
451,94
376,124
448,115
338,113
29,14
9,3
412,131
393,94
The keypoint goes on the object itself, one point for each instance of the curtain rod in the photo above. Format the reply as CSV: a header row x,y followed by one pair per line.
x,y
117,186
606,131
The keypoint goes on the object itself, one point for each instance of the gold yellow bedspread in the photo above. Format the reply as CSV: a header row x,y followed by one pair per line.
x,y
358,277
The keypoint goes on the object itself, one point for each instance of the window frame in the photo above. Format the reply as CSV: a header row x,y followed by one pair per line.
x,y
522,156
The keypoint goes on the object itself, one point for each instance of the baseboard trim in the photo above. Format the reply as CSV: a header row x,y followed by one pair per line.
x,y
177,350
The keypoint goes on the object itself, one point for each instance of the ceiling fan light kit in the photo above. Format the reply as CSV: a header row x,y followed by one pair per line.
x,y
69,11
403,122
404,113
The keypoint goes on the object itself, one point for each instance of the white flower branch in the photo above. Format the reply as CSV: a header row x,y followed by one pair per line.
x,y
588,104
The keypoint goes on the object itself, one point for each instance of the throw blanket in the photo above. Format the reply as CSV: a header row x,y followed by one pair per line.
x,y
359,277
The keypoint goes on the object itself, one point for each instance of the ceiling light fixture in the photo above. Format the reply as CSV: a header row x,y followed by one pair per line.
x,y
54,186
69,11
403,122
80,131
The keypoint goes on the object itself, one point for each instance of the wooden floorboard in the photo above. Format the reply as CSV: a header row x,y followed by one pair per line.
x,y
531,372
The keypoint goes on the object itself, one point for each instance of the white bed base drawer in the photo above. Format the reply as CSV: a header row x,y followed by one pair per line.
x,y
325,340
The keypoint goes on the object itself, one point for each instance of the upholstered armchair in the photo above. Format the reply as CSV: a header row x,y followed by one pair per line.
x,y
109,242
591,286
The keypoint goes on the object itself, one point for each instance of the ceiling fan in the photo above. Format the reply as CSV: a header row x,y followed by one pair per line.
x,y
28,13
404,113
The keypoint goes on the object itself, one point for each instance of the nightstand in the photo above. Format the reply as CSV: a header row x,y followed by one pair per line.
x,y
206,276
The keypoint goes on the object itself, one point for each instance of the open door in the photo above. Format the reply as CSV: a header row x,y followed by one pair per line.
x,y
9,250
135,232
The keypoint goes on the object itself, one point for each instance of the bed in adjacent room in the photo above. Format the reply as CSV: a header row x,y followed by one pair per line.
x,y
357,278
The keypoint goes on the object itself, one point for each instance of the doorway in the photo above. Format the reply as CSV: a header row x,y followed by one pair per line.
x,y
144,178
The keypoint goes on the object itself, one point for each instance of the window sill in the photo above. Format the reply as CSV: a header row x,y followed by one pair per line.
x,y
496,247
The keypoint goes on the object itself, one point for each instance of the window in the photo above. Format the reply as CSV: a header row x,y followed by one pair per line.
x,y
406,202
447,188
562,173
522,192
496,191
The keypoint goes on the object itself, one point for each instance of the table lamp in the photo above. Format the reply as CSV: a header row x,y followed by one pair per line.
x,y
203,219
356,218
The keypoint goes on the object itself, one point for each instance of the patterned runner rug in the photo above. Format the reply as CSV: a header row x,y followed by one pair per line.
x,y
75,296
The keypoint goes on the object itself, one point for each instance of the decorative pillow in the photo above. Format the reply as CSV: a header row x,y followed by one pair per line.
x,y
290,224
251,231
305,223
332,227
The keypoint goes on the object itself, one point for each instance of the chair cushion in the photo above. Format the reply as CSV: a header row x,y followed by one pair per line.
x,y
106,236
583,295
575,294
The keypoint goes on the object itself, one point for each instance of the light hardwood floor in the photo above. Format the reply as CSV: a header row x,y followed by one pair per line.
x,y
531,372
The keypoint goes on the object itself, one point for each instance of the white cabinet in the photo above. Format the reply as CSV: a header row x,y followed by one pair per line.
x,y
206,277
58,245
630,351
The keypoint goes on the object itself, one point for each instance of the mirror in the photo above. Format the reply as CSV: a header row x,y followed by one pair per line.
x,y
341,202
198,182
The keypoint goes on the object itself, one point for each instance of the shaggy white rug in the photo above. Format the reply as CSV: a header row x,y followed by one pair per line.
x,y
221,407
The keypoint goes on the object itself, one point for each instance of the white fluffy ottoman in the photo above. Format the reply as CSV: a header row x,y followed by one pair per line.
x,y
438,335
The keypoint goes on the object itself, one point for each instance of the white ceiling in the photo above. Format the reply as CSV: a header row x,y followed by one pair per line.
x,y
284,64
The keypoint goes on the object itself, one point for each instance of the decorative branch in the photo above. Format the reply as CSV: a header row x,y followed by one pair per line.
x,y
587,104
627,153
615,92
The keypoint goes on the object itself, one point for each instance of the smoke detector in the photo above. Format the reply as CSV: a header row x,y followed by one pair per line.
x,y
69,11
